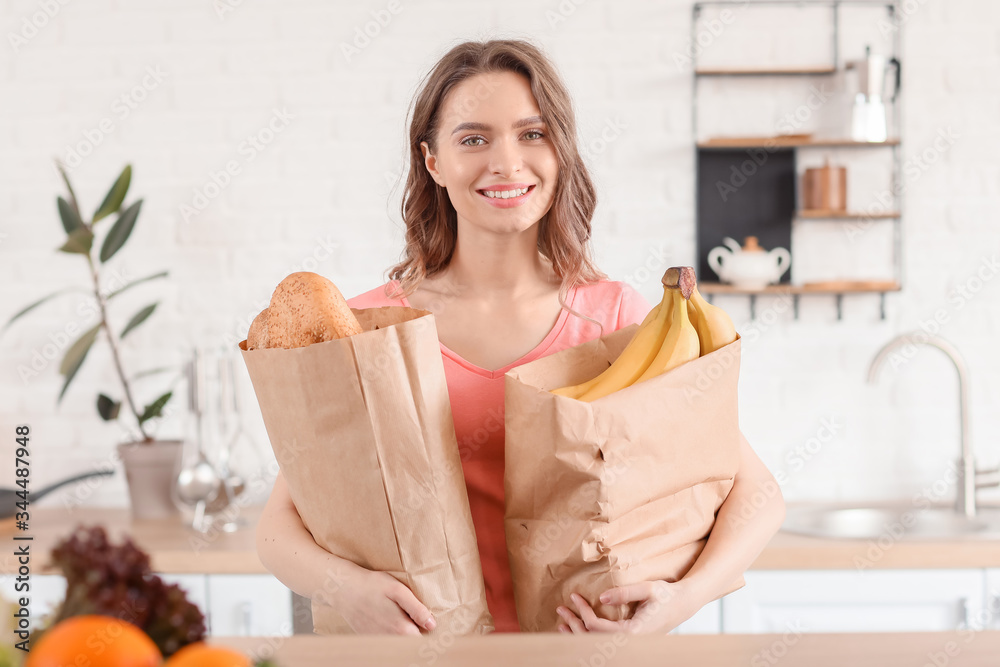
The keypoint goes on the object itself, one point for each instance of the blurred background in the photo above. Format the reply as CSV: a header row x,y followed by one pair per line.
x,y
269,137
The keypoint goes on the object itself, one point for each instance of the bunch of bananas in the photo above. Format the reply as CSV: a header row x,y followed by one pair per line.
x,y
682,327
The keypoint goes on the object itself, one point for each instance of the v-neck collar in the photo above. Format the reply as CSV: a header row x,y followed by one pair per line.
x,y
536,352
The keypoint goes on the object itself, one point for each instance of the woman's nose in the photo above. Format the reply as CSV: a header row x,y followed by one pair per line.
x,y
505,158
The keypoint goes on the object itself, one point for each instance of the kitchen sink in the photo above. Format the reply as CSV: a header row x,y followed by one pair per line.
x,y
894,522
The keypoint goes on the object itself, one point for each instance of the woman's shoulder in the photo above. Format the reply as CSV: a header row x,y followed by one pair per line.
x,y
377,297
615,303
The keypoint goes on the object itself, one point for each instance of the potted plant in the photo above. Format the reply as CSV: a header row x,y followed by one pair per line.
x,y
151,465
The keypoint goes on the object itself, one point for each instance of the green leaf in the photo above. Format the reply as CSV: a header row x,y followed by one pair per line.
x,y
107,408
155,408
138,319
80,241
69,215
161,274
120,231
72,195
74,357
116,195
152,371
28,309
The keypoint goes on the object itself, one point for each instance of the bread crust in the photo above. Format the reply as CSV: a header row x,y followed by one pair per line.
x,y
307,308
257,337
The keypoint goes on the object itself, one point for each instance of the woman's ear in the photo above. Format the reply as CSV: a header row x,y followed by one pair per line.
x,y
430,162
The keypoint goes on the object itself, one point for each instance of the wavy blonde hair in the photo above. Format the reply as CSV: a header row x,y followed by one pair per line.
x,y
431,222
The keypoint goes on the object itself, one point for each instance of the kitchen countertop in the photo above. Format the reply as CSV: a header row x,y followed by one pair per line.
x,y
176,548
956,649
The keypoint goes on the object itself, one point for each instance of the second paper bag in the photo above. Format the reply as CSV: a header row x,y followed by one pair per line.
x,y
617,491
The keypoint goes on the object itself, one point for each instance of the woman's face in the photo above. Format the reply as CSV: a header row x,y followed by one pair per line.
x,y
493,154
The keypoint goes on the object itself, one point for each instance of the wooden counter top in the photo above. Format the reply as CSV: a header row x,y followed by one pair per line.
x,y
176,548
956,649
172,546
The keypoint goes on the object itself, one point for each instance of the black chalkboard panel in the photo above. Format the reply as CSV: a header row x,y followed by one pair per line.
x,y
744,192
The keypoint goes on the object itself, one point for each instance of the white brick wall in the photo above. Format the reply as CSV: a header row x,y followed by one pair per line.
x,y
319,197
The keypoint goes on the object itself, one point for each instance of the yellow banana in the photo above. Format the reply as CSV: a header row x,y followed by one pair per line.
x,y
715,329
681,343
631,362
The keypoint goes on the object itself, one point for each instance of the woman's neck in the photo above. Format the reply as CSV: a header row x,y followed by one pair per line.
x,y
500,266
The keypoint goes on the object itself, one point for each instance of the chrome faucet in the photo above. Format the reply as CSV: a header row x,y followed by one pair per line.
x,y
968,476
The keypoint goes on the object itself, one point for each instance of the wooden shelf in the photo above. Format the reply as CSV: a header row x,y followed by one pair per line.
x,y
831,287
767,71
789,141
846,215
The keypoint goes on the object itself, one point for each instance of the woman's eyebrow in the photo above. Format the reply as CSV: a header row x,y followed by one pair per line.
x,y
483,127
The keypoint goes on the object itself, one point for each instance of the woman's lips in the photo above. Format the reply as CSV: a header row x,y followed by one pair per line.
x,y
510,202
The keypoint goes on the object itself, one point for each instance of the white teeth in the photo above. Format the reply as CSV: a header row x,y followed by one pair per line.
x,y
504,194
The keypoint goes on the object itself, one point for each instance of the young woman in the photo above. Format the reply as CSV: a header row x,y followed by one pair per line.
x,y
497,206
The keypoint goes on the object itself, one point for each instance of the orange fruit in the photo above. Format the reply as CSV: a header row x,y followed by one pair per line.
x,y
97,641
200,654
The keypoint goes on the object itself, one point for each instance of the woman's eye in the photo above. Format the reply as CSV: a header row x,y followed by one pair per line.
x,y
473,141
533,134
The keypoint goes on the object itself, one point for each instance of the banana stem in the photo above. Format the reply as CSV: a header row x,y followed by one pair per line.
x,y
682,278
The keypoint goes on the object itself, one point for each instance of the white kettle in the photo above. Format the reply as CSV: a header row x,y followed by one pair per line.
x,y
750,266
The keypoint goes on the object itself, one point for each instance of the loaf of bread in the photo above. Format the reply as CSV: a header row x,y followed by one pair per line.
x,y
305,308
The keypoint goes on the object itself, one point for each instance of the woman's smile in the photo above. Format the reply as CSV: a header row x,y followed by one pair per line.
x,y
507,196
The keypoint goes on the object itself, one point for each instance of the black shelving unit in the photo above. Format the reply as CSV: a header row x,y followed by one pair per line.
x,y
765,203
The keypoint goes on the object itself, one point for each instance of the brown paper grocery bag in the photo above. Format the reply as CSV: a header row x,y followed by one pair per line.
x,y
362,430
617,491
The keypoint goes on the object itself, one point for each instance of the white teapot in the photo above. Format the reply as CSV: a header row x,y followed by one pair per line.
x,y
750,267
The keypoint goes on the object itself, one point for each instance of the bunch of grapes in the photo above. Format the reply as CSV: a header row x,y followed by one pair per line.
x,y
116,580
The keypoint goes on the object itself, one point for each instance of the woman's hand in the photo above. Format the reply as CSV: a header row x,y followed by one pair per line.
x,y
662,607
377,603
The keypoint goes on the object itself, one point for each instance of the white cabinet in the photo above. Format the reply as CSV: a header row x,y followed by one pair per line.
x,y
855,601
992,613
253,604
241,604
194,587
708,621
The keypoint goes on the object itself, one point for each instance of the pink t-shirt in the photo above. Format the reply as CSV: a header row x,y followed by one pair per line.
x,y
478,411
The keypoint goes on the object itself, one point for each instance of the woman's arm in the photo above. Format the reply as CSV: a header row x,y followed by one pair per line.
x,y
749,516
288,551
370,602
746,521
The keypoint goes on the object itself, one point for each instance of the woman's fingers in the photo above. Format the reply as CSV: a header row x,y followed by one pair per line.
x,y
576,626
631,593
592,621
409,603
